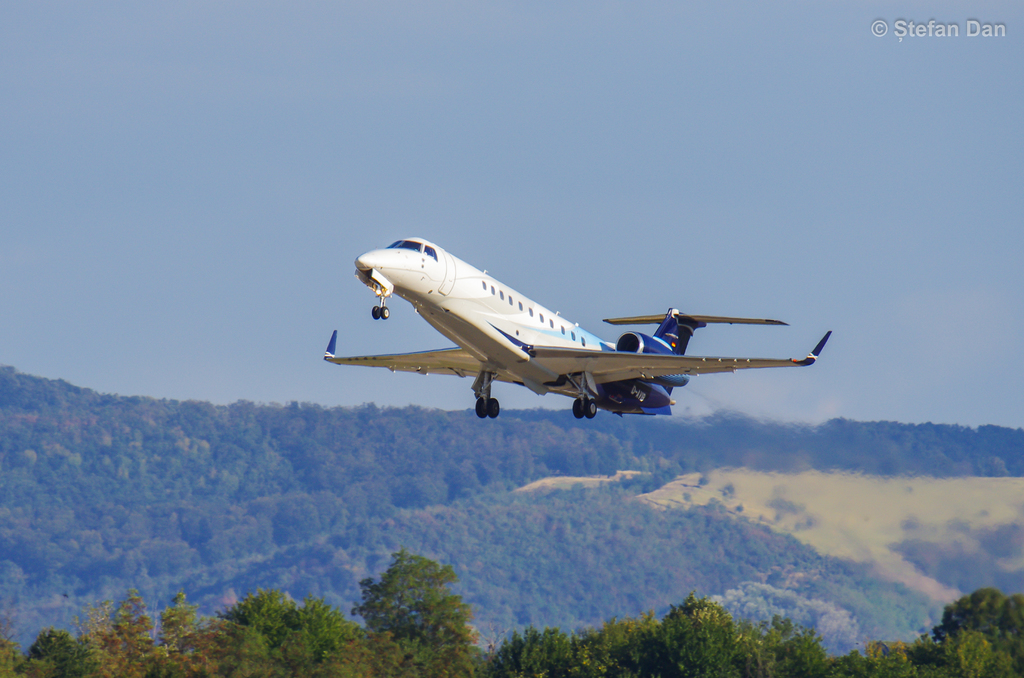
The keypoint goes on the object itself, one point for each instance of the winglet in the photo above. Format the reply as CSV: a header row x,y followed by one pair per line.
x,y
813,355
821,344
331,346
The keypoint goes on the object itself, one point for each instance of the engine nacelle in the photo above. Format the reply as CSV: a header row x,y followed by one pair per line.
x,y
637,342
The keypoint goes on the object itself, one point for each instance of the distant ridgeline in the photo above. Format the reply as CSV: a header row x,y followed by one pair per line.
x,y
102,493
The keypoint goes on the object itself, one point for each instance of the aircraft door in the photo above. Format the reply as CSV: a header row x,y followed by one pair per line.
x,y
449,274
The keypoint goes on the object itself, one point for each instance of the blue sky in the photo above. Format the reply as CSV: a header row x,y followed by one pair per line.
x,y
183,190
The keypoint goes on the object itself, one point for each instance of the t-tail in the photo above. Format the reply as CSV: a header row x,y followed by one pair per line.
x,y
675,327
676,330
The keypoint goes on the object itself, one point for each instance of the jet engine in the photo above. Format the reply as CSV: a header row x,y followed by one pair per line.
x,y
637,342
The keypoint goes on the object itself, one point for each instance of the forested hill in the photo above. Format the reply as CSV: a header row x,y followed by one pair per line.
x,y
101,493
721,440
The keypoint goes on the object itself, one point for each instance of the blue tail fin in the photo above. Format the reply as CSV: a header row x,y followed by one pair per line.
x,y
676,330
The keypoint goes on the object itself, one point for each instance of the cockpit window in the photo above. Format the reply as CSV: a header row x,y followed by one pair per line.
x,y
430,251
406,245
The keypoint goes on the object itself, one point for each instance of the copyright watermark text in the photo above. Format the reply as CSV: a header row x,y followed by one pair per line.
x,y
907,28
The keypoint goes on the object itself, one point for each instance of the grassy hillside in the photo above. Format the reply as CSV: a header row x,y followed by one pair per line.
x,y
907,528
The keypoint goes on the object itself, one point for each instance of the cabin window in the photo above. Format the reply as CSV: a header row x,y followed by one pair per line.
x,y
531,312
502,294
492,289
563,330
573,336
583,340
520,306
510,300
541,318
484,283
552,321
427,249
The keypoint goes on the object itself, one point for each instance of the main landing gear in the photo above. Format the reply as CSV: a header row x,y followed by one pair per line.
x,y
486,406
584,407
380,312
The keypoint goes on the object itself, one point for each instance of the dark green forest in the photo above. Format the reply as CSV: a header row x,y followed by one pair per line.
x,y
103,493
415,626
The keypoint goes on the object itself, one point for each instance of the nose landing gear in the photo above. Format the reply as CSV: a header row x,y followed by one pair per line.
x,y
382,287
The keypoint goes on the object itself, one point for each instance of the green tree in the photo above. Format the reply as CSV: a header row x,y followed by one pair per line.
x,y
58,655
697,640
547,653
299,636
970,655
269,612
187,641
779,648
120,637
880,660
986,610
243,651
614,649
413,604
993,614
324,629
10,657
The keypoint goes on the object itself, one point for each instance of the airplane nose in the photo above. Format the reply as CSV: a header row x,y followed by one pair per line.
x,y
365,262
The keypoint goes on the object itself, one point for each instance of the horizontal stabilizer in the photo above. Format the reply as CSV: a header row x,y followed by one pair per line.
x,y
706,319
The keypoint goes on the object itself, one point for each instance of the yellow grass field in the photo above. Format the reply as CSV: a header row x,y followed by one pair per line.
x,y
851,516
861,517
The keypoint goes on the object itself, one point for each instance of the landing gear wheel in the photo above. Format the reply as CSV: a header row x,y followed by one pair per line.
x,y
481,408
375,312
384,313
577,408
589,408
493,408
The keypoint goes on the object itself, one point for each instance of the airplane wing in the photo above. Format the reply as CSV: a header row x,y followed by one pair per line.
x,y
445,361
448,361
606,366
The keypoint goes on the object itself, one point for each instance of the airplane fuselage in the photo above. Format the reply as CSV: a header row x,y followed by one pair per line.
x,y
498,324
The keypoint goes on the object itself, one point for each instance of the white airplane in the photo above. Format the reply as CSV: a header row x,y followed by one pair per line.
x,y
504,336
